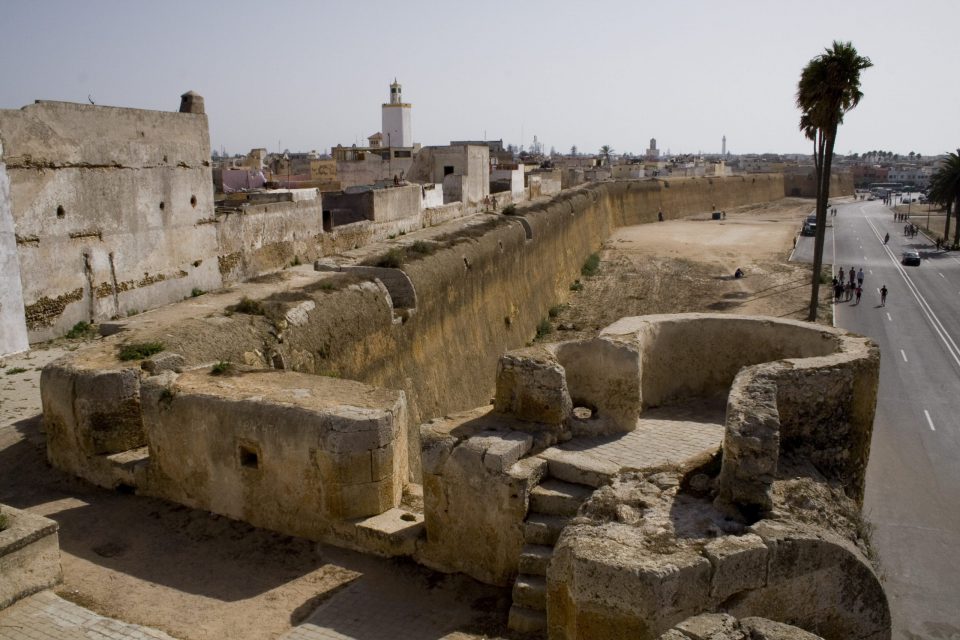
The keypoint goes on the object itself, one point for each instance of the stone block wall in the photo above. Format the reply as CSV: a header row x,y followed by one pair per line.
x,y
286,451
108,206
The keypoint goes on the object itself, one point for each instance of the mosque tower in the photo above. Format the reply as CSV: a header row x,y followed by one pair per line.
x,y
396,119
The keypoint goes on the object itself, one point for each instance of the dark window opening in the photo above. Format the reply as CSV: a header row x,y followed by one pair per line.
x,y
162,205
249,457
327,221
61,211
447,170
193,201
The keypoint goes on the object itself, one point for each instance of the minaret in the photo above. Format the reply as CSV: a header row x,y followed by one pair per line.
x,y
724,152
396,119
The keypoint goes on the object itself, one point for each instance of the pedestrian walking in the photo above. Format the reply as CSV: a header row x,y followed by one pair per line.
x,y
860,277
853,275
841,275
883,296
848,292
859,293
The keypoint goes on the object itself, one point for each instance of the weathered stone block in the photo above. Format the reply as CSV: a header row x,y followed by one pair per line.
x,y
29,555
532,387
164,361
739,563
107,409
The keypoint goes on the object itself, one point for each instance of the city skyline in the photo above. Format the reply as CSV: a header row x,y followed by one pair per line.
x,y
303,75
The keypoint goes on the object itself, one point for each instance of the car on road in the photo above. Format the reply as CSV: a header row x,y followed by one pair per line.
x,y
911,257
809,225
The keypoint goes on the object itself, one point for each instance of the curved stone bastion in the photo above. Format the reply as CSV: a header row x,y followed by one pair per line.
x,y
612,487
675,465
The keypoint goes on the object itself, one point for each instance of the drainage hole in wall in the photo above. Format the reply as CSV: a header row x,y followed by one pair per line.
x,y
408,517
193,201
61,211
162,205
582,413
249,457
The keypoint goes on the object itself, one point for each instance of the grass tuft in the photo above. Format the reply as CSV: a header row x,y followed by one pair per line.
x,y
139,350
591,266
249,307
80,330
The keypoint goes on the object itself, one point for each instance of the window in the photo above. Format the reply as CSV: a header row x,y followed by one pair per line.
x,y
248,456
447,170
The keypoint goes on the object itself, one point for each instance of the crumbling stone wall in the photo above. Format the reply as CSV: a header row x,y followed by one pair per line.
x,y
108,203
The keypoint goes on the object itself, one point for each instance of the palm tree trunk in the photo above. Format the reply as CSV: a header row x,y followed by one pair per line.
x,y
823,195
946,225
956,229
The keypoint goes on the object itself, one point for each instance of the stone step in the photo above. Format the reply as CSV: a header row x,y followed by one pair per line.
x,y
530,592
559,498
543,529
579,467
534,559
527,621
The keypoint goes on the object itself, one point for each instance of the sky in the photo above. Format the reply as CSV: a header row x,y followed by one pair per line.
x,y
305,75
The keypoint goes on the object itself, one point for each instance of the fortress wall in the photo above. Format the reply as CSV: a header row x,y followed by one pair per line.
x,y
486,294
108,205
805,186
266,237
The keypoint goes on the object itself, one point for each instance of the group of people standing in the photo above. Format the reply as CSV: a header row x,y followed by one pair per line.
x,y
849,284
846,285
910,230
899,217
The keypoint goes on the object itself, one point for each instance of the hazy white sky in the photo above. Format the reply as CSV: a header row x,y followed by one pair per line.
x,y
309,74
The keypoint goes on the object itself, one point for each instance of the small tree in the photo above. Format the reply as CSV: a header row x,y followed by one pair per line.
x,y
605,152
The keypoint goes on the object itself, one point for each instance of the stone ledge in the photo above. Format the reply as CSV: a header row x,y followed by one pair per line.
x,y
29,555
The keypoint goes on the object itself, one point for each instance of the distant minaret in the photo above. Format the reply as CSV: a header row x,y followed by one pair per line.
x,y
396,120
724,152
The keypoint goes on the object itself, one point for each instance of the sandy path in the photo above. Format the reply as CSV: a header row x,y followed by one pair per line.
x,y
687,265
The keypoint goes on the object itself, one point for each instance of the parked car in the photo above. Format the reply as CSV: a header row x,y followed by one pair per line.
x,y
911,257
809,225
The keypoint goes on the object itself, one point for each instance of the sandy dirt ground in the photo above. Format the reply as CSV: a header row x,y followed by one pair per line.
x,y
198,576
688,265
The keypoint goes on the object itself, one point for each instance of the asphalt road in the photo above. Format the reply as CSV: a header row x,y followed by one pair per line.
x,y
913,478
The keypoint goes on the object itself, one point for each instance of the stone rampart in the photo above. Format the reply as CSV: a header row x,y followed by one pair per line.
x,y
259,238
109,206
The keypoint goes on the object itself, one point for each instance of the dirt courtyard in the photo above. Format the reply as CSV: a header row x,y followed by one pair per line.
x,y
199,576
688,265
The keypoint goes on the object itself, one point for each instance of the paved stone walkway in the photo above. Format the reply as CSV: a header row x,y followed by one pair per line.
x,y
665,437
46,616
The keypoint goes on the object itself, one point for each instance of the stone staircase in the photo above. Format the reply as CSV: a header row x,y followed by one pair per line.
x,y
552,504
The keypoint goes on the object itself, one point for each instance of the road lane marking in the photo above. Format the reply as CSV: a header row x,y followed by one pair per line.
x,y
888,317
952,349
904,355
929,421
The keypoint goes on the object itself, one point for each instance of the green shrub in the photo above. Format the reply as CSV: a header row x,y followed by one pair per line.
x,y
421,247
591,266
544,329
12,371
139,350
296,261
197,292
249,307
555,311
510,210
221,368
4,521
80,330
576,286
392,259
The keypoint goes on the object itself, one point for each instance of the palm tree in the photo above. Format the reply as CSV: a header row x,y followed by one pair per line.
x,y
829,87
605,152
945,191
